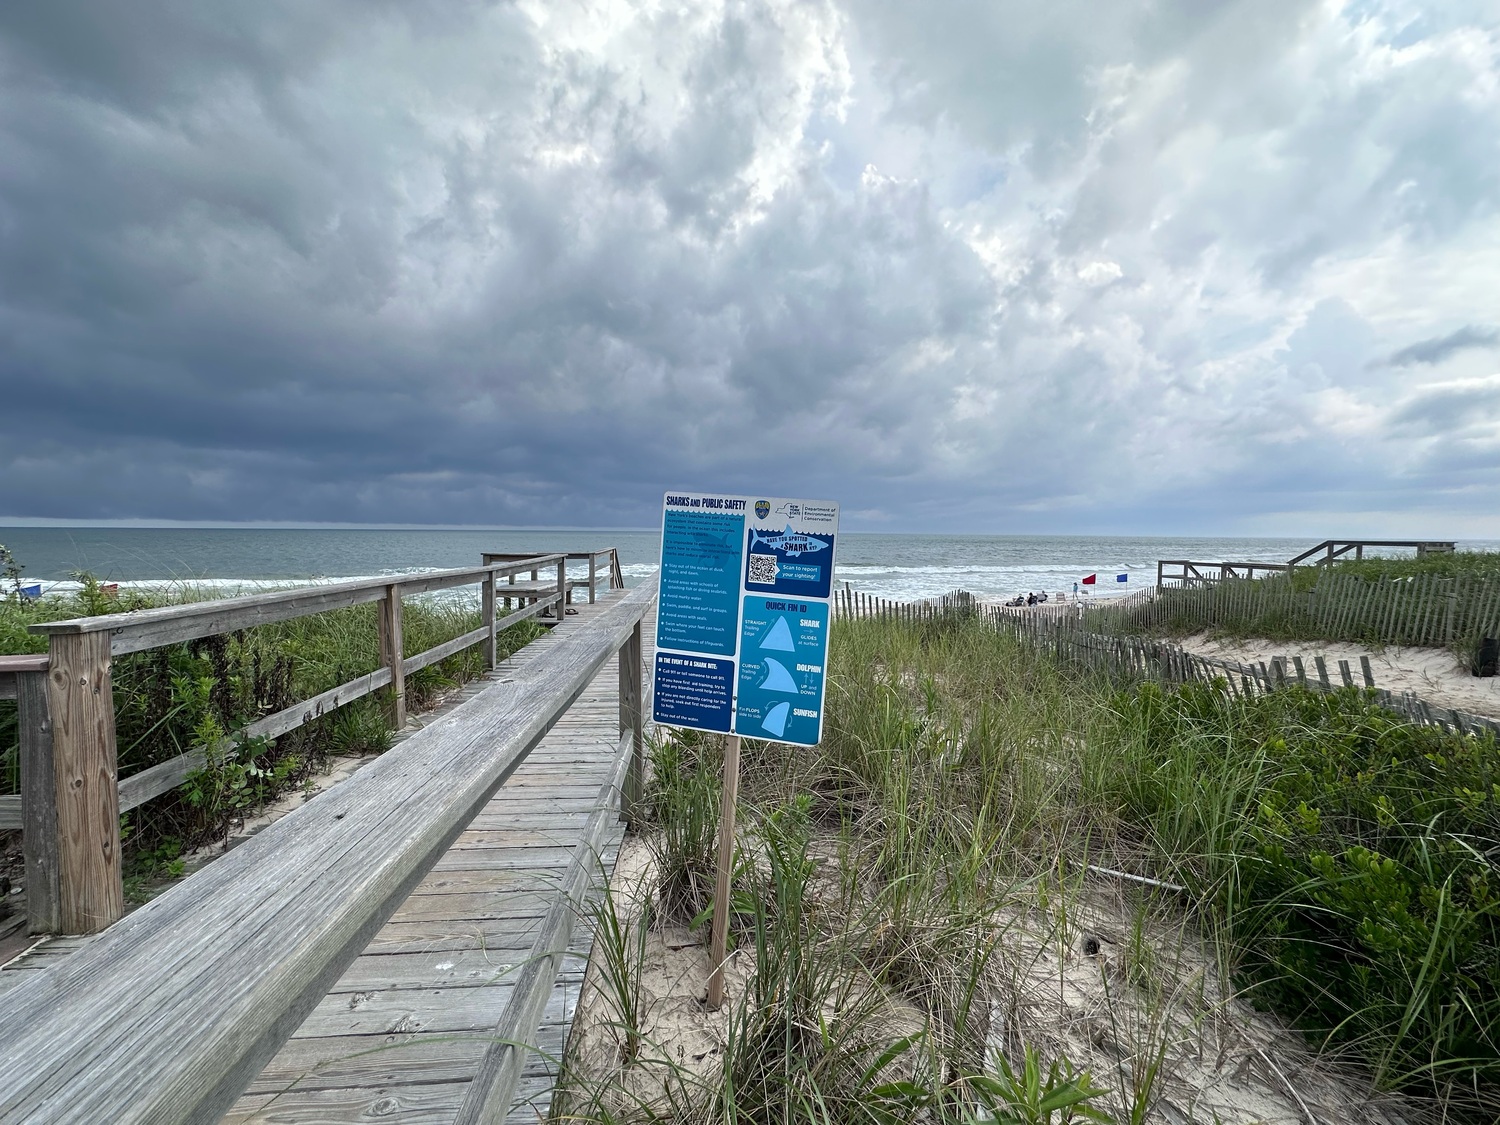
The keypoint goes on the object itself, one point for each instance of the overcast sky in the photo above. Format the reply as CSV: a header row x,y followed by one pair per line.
x,y
1005,266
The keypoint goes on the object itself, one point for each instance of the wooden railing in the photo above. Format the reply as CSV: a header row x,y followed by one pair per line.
x,y
1074,639
1185,572
610,556
169,1015
70,801
1326,552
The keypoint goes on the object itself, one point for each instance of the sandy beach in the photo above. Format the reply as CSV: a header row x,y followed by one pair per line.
x,y
1434,674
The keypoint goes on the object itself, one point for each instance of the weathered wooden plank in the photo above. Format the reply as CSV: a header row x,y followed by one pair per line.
x,y
14,667
504,859
498,929
631,721
377,1062
445,650
90,892
445,969
240,953
41,842
388,615
524,837
487,617
460,894
427,1104
11,817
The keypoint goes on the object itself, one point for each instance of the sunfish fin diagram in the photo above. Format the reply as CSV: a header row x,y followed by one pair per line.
x,y
778,638
778,678
775,720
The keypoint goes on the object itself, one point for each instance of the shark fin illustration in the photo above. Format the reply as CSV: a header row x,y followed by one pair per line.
x,y
775,720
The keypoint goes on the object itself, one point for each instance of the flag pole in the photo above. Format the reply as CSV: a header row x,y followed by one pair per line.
x,y
720,938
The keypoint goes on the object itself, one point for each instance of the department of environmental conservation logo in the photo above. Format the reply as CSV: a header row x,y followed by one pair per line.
x,y
762,509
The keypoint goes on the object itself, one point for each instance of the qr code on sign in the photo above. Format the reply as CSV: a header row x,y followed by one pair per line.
x,y
762,570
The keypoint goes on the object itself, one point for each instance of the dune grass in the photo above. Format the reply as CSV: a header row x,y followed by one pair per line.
x,y
905,891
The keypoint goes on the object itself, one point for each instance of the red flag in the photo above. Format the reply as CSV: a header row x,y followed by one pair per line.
x,y
1089,581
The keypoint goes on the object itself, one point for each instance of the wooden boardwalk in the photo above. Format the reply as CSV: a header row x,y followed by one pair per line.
x,y
400,1035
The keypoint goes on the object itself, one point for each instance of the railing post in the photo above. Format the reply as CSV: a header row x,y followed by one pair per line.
x,y
90,892
593,574
390,654
632,720
561,608
487,609
39,838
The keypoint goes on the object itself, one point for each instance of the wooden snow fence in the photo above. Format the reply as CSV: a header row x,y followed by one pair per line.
x,y
1064,632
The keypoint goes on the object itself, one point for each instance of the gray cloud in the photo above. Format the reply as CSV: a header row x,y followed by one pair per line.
x,y
1439,348
974,266
1450,409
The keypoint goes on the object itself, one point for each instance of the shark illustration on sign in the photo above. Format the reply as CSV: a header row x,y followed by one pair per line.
x,y
788,542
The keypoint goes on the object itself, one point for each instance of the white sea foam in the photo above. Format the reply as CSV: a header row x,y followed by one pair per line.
x,y
898,567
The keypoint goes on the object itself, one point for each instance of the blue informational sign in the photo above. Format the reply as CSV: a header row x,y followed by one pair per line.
x,y
700,581
783,646
693,691
748,579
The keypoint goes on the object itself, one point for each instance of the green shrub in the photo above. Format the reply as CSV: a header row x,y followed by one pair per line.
x,y
1352,854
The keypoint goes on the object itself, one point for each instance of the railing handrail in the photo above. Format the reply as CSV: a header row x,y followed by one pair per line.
x,y
12,668
571,556
150,628
70,836
170,1014
1240,565
1325,548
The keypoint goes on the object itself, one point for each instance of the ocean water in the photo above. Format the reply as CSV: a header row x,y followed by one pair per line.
x,y
900,567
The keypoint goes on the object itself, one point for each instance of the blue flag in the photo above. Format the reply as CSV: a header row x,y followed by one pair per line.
x,y
1122,578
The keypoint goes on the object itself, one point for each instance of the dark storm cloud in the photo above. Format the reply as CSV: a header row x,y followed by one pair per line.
x,y
970,265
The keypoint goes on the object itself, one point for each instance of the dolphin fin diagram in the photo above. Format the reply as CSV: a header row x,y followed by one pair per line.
x,y
778,678
775,720
778,638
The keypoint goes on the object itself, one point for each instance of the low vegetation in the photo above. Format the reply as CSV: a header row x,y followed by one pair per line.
x,y
930,925
1455,564
170,700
